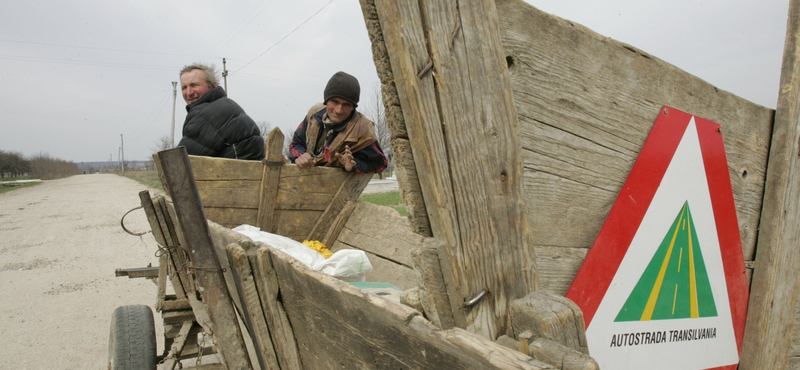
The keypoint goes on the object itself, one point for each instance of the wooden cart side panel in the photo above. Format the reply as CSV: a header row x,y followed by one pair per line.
x,y
320,179
269,292
586,104
295,224
466,145
349,190
229,194
338,326
221,237
772,313
251,312
303,199
205,260
382,231
220,169
270,180
231,217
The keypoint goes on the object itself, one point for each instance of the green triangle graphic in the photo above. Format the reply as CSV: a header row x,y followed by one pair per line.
x,y
675,283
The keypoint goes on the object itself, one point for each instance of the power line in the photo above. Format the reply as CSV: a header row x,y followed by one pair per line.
x,y
279,69
105,49
154,115
284,37
278,81
81,62
235,32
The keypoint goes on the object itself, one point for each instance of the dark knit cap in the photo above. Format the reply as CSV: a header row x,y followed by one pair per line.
x,y
343,85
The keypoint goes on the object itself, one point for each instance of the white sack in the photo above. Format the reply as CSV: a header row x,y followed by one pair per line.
x,y
345,264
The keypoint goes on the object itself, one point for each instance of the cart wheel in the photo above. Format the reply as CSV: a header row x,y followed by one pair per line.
x,y
132,341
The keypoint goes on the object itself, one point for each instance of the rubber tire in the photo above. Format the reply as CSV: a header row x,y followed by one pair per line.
x,y
132,340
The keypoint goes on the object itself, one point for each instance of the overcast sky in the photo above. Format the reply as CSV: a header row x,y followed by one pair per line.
x,y
79,74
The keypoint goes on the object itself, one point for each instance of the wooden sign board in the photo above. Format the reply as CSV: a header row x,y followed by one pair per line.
x,y
664,285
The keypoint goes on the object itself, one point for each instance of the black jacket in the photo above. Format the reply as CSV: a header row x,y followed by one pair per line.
x,y
216,126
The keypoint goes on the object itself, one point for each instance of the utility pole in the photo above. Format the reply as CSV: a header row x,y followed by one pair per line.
x,y
225,75
172,128
122,153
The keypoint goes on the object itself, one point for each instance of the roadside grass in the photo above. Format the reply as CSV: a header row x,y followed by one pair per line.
x,y
149,178
6,188
391,199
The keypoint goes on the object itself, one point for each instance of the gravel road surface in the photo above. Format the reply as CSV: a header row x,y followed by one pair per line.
x,y
60,243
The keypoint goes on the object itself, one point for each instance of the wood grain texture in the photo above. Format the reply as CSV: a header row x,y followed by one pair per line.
x,y
213,289
163,236
178,256
295,224
773,298
464,135
349,190
586,104
403,34
404,166
232,217
220,169
558,266
223,194
338,326
552,317
251,311
434,298
336,227
381,231
270,181
324,180
309,201
410,190
561,356
269,291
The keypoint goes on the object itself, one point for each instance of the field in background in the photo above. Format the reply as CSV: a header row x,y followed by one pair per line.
x,y
391,199
149,178
4,188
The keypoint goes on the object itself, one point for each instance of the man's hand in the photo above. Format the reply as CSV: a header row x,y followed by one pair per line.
x,y
304,161
346,159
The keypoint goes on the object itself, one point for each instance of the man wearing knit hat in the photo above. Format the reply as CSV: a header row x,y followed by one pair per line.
x,y
334,134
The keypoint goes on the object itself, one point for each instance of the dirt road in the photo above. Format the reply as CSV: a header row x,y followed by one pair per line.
x,y
60,243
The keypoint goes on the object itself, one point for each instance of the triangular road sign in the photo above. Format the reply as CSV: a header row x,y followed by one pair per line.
x,y
653,297
664,285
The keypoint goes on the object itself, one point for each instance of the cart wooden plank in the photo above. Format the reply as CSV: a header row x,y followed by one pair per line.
x,y
214,291
771,317
251,311
336,323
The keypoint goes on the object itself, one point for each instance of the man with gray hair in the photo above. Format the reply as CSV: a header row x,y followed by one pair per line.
x,y
216,126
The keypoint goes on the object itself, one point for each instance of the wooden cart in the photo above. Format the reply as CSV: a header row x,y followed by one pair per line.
x,y
257,307
482,98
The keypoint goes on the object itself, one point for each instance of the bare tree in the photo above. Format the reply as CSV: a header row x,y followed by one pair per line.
x,y
264,127
287,141
377,113
46,167
163,143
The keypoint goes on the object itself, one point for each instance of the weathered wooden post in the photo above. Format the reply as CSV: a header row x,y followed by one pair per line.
x,y
270,179
213,290
773,294
453,84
